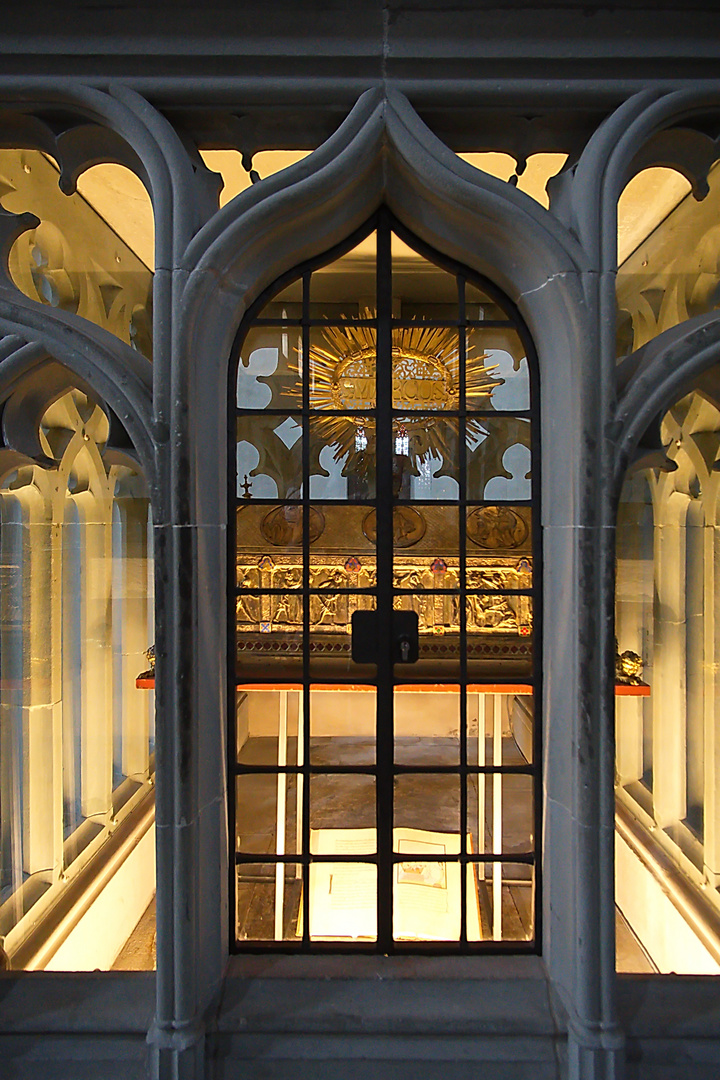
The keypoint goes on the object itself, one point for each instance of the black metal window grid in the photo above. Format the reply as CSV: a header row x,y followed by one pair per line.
x,y
385,771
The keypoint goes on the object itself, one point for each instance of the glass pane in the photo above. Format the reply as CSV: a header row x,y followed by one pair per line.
x,y
269,544
425,539
267,901
498,458
503,804
437,613
489,613
330,635
479,306
267,814
426,893
287,304
428,801
343,557
504,894
499,354
343,901
342,725
427,725
266,725
269,369
342,458
271,647
425,368
505,530
342,814
499,636
507,720
269,458
346,288
426,456
420,289
342,367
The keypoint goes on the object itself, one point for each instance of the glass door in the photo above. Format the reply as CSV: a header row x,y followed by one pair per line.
x,y
384,742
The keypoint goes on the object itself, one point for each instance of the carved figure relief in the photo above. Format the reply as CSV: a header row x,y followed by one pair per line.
x,y
283,525
408,526
496,527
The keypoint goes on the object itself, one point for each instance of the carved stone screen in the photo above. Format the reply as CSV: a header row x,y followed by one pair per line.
x,y
384,747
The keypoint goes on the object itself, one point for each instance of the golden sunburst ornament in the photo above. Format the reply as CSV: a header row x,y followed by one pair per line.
x,y
425,380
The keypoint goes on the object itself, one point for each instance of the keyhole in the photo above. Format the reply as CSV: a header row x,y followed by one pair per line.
x,y
404,649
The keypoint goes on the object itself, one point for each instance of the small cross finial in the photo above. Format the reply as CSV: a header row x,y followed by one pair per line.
x,y
246,488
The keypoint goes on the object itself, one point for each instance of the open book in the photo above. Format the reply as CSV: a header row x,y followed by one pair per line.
x,y
426,895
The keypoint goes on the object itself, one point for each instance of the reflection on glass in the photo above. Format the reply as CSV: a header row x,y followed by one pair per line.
x,y
268,725
499,352
420,289
342,725
426,541
343,897
287,304
479,306
330,634
426,460
503,718
269,457
267,901
499,531
427,801
342,812
427,725
500,812
427,896
342,458
268,813
425,368
346,288
504,894
342,367
268,369
498,459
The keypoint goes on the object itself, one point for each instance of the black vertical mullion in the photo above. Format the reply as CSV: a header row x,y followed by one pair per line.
x,y
384,555
462,552
306,609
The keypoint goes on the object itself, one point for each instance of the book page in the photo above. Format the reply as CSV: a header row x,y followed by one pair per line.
x,y
343,901
426,895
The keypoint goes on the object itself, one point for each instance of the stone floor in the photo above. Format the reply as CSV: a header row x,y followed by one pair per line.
x,y
347,801
138,953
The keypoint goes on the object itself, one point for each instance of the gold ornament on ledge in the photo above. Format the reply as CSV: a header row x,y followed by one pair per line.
x,y
628,667
150,657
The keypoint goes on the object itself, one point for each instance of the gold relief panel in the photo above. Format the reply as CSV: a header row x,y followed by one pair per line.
x,y
498,528
438,613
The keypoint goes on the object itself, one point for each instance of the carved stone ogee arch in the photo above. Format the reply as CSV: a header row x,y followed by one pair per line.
x,y
383,153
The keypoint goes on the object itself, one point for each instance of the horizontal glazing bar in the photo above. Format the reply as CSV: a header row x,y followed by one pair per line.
x,y
358,770
284,323
456,592
304,859
315,591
